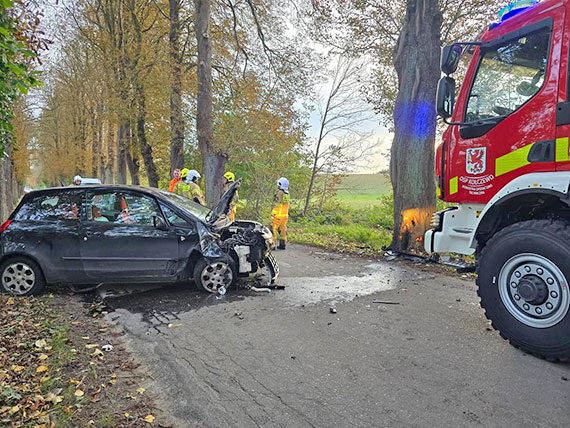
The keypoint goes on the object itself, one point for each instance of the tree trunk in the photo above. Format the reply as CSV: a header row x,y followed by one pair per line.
x,y
214,163
101,160
133,164
122,146
94,146
9,188
146,149
412,155
176,118
110,165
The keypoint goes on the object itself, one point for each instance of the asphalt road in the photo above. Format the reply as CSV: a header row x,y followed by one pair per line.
x,y
284,360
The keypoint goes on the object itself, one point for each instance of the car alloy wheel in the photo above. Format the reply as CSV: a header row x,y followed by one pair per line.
x,y
216,275
18,278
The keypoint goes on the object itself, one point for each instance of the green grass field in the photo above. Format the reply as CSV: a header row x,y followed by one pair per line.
x,y
363,190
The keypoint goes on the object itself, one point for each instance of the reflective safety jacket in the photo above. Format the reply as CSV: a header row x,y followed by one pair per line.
x,y
195,193
172,184
281,204
182,189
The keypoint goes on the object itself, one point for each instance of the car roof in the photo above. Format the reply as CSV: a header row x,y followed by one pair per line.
x,y
51,190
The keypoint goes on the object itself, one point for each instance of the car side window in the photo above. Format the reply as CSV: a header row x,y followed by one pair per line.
x,y
62,206
121,208
174,219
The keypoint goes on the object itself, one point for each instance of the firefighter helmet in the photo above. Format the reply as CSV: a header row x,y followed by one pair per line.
x,y
283,183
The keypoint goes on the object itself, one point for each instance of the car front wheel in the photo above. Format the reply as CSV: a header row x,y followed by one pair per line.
x,y
22,277
211,275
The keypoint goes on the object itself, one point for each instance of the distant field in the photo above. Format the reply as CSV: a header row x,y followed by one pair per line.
x,y
361,190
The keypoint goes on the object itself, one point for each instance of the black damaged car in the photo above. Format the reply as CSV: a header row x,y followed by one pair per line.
x,y
128,234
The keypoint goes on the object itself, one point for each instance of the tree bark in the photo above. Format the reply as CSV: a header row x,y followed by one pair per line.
x,y
110,165
214,163
146,149
122,147
133,163
9,187
412,155
94,143
176,118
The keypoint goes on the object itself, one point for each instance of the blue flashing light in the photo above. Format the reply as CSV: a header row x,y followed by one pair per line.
x,y
515,8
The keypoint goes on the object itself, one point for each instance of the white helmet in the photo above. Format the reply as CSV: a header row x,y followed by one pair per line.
x,y
283,183
76,178
193,175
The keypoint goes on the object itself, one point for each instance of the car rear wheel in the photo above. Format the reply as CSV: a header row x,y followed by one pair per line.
x,y
21,276
211,275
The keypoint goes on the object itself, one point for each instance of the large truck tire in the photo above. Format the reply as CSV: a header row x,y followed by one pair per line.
x,y
523,278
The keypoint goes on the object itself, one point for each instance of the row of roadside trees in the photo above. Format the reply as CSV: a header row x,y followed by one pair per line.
x,y
136,88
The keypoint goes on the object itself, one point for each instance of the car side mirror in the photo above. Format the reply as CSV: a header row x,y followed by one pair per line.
x,y
159,223
445,98
450,58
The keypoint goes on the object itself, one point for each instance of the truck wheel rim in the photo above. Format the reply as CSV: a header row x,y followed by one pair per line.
x,y
534,290
216,275
18,278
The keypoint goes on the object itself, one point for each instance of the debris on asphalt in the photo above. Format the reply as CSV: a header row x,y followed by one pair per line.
x,y
222,290
332,310
458,300
262,289
293,357
386,302
107,348
174,325
564,378
239,315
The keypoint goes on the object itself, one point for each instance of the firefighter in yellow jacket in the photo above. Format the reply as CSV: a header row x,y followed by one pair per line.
x,y
195,193
181,187
229,179
280,212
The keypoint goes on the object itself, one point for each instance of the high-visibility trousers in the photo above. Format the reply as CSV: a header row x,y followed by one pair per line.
x,y
279,226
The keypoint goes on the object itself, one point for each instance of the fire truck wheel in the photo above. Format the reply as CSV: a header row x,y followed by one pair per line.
x,y
523,278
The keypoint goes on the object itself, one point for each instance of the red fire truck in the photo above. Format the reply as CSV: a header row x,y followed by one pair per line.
x,y
505,161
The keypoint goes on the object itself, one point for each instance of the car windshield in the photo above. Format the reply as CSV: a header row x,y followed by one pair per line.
x,y
196,209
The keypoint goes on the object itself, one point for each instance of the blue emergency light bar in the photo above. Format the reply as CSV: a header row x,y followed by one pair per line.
x,y
515,8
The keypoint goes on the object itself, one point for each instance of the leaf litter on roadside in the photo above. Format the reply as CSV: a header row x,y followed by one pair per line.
x,y
50,378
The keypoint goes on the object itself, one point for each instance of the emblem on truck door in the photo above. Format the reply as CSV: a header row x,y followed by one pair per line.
x,y
476,160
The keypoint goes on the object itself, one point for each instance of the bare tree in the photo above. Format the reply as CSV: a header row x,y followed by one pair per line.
x,y
343,113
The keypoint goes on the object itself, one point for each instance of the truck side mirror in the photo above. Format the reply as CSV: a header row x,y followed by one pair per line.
x,y
445,98
450,58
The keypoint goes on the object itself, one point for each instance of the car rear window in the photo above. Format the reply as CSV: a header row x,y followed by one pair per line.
x,y
58,206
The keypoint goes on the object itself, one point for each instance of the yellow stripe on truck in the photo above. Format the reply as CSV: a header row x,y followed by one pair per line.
x,y
513,160
453,185
562,152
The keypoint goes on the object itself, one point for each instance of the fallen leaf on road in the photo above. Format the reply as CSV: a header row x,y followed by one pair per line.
x,y
174,325
41,369
127,415
10,301
43,357
78,393
40,343
150,419
18,369
141,390
91,346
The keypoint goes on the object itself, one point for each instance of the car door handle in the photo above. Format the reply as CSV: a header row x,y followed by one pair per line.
x,y
93,234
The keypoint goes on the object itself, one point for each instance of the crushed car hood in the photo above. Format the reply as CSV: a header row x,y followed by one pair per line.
x,y
223,206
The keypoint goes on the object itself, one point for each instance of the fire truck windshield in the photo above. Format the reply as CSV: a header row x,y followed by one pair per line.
x,y
508,76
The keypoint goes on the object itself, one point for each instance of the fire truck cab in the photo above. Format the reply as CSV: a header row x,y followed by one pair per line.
x,y
505,161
